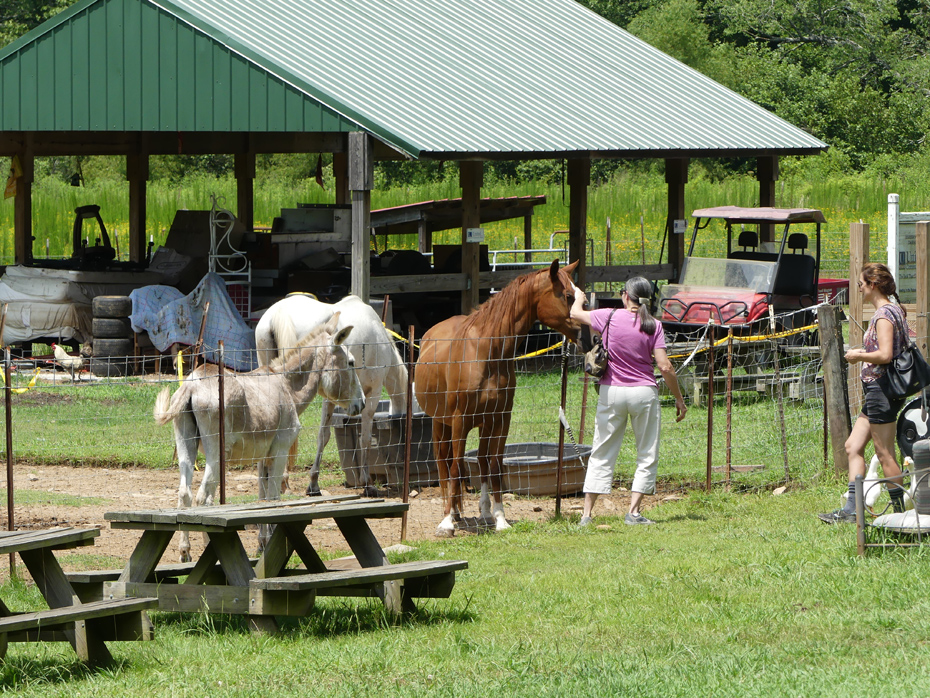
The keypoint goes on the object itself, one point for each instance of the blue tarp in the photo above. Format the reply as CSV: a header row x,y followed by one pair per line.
x,y
170,317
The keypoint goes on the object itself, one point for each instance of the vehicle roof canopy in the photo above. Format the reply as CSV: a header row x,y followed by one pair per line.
x,y
738,214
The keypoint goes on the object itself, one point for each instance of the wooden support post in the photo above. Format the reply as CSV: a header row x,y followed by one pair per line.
x,y
579,177
767,174
424,237
676,176
922,233
528,237
22,206
858,257
836,402
471,177
361,181
137,172
341,175
244,165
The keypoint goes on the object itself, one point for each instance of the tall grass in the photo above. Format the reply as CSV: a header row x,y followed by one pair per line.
x,y
634,203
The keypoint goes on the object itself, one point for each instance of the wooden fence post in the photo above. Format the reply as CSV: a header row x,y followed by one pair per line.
x,y
836,402
858,257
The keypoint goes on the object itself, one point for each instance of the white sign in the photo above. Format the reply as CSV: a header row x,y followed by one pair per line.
x,y
680,226
902,248
474,234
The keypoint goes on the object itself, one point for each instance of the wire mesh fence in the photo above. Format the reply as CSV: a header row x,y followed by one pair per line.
x,y
756,420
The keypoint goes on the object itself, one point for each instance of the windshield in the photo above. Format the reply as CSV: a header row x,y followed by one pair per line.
x,y
728,273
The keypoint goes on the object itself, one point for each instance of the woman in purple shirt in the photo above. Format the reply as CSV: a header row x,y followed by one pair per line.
x,y
627,392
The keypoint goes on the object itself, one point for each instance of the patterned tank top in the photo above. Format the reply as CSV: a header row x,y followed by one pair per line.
x,y
895,315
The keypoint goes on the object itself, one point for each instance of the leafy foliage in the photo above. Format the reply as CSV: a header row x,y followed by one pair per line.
x,y
19,16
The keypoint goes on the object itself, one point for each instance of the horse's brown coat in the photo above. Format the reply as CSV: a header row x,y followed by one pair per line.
x,y
465,376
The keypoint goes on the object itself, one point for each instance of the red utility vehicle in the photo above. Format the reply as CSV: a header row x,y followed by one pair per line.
x,y
737,289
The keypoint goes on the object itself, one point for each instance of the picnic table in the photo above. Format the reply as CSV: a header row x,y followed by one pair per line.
x,y
225,580
87,626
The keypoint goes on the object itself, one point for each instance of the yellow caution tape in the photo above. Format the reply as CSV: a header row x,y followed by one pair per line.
x,y
20,391
751,338
525,356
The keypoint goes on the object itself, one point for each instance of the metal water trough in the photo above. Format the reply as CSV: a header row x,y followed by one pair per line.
x,y
530,468
388,445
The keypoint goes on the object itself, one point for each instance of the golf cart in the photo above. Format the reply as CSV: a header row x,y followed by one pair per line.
x,y
737,289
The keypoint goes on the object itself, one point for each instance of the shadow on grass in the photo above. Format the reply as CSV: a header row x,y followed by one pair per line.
x,y
333,617
21,670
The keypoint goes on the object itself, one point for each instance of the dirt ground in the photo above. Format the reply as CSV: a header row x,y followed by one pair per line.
x,y
122,489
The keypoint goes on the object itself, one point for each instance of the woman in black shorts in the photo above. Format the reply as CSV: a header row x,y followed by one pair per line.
x,y
885,338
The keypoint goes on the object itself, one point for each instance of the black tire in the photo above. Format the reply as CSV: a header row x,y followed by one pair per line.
x,y
113,347
105,367
112,306
111,328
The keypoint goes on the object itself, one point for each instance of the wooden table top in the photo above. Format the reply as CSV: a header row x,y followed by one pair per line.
x,y
53,538
238,516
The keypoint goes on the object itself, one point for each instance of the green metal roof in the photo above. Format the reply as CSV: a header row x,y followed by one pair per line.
x,y
433,78
126,65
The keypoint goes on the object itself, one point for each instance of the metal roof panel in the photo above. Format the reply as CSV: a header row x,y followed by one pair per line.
x,y
429,77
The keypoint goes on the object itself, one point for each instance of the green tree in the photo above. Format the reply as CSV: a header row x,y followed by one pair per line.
x,y
19,16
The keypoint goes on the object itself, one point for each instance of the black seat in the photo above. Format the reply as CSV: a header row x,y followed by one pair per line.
x,y
748,238
796,275
797,241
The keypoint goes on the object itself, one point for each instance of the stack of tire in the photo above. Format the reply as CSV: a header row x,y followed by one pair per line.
x,y
112,353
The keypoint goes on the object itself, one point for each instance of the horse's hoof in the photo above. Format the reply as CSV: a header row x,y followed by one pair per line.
x,y
445,532
313,491
185,556
502,525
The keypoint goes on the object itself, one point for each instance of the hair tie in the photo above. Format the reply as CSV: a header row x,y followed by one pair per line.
x,y
642,301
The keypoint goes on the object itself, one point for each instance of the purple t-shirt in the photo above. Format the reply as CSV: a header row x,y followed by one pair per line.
x,y
629,350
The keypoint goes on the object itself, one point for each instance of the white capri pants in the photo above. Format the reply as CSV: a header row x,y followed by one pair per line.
x,y
615,405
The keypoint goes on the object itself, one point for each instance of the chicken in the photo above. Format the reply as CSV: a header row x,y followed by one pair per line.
x,y
71,363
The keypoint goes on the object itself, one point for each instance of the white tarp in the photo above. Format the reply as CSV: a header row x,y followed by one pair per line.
x,y
172,318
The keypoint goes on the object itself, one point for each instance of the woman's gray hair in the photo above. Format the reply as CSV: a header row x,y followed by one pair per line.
x,y
639,290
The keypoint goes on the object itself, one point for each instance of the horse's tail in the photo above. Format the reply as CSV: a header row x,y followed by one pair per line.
x,y
168,406
395,382
280,335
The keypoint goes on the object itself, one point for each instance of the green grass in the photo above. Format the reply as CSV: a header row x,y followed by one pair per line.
x,y
729,595
53,498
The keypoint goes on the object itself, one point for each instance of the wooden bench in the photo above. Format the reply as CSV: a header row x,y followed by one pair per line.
x,y
424,579
115,619
85,626
88,584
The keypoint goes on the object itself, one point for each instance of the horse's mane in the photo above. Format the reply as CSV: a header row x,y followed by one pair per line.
x,y
503,303
308,340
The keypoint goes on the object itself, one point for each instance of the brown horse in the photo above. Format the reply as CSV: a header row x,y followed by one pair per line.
x,y
465,378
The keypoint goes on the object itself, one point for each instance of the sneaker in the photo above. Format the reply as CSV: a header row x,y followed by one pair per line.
x,y
635,519
585,521
838,516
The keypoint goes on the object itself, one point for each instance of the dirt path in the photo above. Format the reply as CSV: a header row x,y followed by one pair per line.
x,y
99,490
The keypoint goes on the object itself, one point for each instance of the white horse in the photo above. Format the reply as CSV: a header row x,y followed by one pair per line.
x,y
262,417
377,363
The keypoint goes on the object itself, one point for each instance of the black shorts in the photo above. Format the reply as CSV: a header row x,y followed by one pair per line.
x,y
876,407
